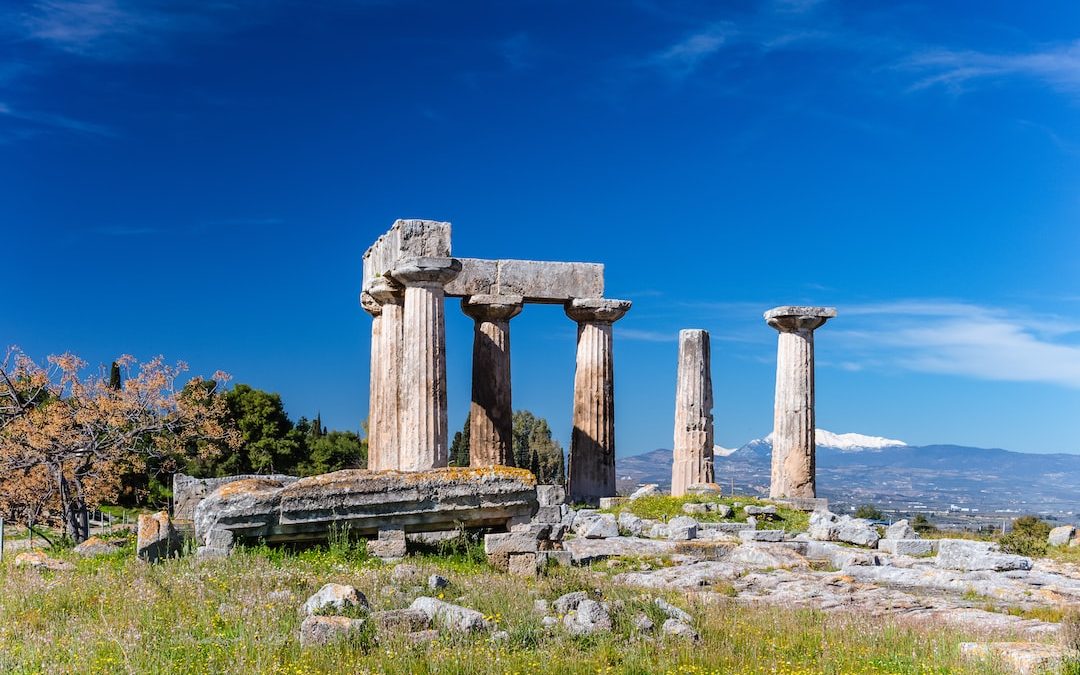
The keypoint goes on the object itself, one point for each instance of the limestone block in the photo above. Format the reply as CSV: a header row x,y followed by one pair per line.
x,y
548,514
650,490
39,560
901,530
693,509
611,502
406,239
189,491
400,620
761,535
366,502
550,495
679,629
545,559
1062,536
568,602
523,564
1022,658
388,545
157,538
630,524
589,617
450,616
916,547
682,528
317,631
95,546
597,526
961,554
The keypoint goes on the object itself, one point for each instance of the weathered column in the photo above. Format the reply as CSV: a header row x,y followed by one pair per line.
x,y
693,449
592,443
491,416
384,419
793,462
422,440
375,384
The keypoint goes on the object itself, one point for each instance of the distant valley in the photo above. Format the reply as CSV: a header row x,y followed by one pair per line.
x,y
853,469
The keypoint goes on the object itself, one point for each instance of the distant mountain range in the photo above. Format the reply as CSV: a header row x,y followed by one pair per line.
x,y
854,469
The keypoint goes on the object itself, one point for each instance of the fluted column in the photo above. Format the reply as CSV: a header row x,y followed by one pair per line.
x,y
423,426
793,453
375,384
693,449
592,443
491,416
384,421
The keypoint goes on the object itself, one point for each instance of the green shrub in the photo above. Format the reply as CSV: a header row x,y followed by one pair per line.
x,y
870,512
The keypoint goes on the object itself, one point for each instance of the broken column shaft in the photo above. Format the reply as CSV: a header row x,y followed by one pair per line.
x,y
693,449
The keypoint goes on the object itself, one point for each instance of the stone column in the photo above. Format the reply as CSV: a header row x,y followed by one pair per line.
x,y
422,431
375,384
793,462
592,443
693,449
491,416
384,420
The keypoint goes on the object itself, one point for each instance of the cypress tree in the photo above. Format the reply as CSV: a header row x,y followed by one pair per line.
x,y
535,464
114,377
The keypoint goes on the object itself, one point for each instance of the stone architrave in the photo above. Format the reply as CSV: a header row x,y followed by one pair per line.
x,y
793,453
384,419
491,416
592,442
423,430
693,449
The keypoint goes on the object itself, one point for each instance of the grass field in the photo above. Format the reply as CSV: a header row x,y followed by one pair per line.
x,y
115,614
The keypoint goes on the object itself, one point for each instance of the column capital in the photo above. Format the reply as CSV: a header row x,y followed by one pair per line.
x,y
422,271
792,318
492,307
596,310
370,304
383,290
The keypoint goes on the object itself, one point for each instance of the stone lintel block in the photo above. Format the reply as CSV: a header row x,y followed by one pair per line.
x,y
550,495
534,280
596,310
523,564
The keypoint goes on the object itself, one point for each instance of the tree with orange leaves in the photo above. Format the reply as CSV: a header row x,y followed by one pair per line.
x,y
79,435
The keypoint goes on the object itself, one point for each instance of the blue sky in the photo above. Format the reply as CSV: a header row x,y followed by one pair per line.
x,y
200,180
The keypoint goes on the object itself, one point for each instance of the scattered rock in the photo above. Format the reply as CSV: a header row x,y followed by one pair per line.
x,y
436,582
452,617
643,624
336,597
724,511
672,611
405,574
901,530
827,526
694,508
95,546
962,554
157,538
569,602
596,526
39,560
650,490
549,622
630,524
681,528
589,617
1062,536
550,495
762,535
401,620
769,510
1023,658
676,628
917,547
317,631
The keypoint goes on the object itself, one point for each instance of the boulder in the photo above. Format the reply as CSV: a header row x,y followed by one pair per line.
x,y
672,611
901,530
916,547
400,620
630,524
188,491
965,555
768,510
650,490
334,598
437,582
679,629
681,528
449,616
589,617
827,526
157,538
1022,658
569,602
365,502
695,508
1062,536
95,546
550,495
643,624
317,631
39,560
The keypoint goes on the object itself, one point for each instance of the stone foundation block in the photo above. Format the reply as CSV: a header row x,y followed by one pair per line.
x,y
523,564
390,545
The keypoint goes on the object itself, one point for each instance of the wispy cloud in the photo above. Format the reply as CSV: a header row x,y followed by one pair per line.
x,y
639,335
1056,66
683,58
44,119
964,339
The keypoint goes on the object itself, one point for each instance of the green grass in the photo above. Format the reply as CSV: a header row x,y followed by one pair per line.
x,y
120,615
664,508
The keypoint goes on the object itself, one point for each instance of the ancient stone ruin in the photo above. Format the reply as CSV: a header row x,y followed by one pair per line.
x,y
408,273
793,453
693,448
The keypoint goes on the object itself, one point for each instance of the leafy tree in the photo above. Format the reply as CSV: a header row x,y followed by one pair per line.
x,y
269,441
459,447
334,451
920,523
1029,537
870,512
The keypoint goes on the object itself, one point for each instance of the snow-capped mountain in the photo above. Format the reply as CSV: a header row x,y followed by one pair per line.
x,y
850,442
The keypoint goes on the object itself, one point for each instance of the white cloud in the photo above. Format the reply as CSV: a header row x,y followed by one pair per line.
x,y
683,58
963,339
1057,66
44,119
